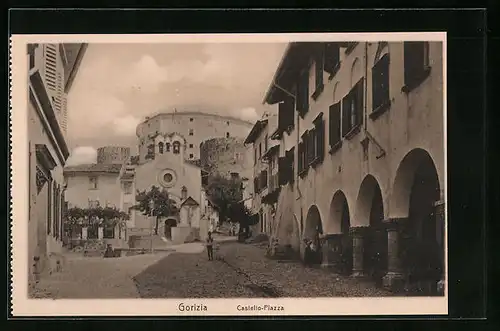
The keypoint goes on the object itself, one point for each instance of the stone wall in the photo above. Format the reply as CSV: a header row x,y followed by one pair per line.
x,y
226,156
113,154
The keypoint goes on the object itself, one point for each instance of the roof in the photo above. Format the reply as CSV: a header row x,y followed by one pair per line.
x,y
95,167
296,54
270,152
189,201
198,113
256,130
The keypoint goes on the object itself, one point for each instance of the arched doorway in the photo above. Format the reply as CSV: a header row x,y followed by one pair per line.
x,y
170,223
370,211
313,230
416,192
341,222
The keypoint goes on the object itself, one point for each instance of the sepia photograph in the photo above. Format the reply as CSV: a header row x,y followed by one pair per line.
x,y
285,167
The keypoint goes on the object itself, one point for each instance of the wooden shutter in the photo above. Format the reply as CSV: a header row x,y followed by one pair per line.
x,y
282,170
303,94
318,66
289,105
334,124
414,55
301,157
320,140
292,164
359,106
380,81
332,57
282,117
346,114
49,206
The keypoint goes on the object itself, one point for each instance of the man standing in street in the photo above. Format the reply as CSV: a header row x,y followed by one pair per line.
x,y
210,247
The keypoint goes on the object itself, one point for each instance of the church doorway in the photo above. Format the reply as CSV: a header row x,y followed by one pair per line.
x,y
169,224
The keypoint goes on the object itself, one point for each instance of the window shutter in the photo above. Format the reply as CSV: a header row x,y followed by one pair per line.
x,y
303,94
282,119
380,79
310,138
332,57
282,170
359,106
289,105
334,118
346,112
321,140
292,164
414,55
301,157
319,68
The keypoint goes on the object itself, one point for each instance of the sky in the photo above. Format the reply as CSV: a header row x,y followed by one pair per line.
x,y
119,84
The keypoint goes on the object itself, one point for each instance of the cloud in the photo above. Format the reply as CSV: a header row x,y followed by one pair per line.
x,y
126,126
82,155
248,114
118,85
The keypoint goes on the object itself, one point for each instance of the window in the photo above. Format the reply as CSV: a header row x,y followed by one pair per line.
x,y
318,140
304,152
352,108
334,125
260,150
160,148
191,132
49,207
168,178
285,115
227,123
191,156
351,46
190,145
191,119
227,134
93,184
255,156
318,74
303,94
263,179
151,152
265,143
176,147
167,147
416,63
127,188
301,158
184,193
380,83
332,58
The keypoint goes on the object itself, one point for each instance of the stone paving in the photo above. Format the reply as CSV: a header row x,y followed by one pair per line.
x,y
243,271
95,277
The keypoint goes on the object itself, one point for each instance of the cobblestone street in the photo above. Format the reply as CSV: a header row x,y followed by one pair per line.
x,y
243,271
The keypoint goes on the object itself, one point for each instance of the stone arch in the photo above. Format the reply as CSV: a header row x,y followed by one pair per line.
x,y
416,191
313,229
370,212
339,220
416,162
336,93
355,69
369,202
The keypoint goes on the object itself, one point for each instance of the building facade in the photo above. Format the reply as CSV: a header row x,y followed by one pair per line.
x,y
265,173
99,185
167,168
361,129
52,69
194,126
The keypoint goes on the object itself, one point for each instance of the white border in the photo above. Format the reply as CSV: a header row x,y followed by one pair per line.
x,y
22,306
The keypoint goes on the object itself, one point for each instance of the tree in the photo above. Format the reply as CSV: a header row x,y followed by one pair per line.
x,y
164,206
224,192
77,217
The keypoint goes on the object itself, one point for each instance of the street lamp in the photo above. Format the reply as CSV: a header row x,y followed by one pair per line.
x,y
151,208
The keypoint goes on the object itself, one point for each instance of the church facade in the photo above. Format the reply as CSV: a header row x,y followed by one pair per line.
x,y
168,169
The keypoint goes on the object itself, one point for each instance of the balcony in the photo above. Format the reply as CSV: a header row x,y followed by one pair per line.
x,y
274,188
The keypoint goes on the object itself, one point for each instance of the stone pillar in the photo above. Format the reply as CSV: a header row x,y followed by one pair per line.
x,y
331,251
394,279
440,223
100,233
84,233
357,251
